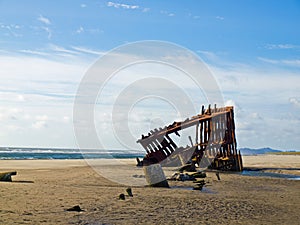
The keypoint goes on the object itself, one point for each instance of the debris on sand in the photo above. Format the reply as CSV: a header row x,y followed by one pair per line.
x,y
121,197
218,175
75,208
7,176
188,176
199,185
129,192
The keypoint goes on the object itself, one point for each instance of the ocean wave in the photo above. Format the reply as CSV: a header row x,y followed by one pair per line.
x,y
35,153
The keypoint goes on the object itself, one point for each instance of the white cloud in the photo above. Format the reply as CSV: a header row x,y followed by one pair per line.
x,y
256,80
80,30
66,119
44,20
146,10
9,113
27,117
53,50
281,46
61,49
49,73
38,93
49,84
220,18
260,95
94,30
87,50
21,98
209,55
41,121
295,62
237,108
14,128
10,26
12,29
3,51
164,12
39,124
272,61
48,31
286,62
83,5
230,102
255,115
33,52
295,101
1,116
123,6
42,117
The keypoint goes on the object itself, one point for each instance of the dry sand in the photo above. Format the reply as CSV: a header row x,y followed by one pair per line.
x,y
44,189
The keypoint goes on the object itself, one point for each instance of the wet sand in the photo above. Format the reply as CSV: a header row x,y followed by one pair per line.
x,y
44,189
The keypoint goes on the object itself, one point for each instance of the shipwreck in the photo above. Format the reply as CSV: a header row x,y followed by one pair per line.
x,y
212,145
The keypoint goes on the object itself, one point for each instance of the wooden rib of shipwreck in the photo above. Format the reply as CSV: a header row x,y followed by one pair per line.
x,y
215,142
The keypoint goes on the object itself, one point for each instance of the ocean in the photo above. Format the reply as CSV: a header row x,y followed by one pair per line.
x,y
60,153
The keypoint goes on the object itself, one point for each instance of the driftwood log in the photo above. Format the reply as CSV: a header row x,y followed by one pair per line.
x,y
7,176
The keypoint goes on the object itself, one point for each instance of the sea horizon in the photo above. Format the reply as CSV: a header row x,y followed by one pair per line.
x,y
22,153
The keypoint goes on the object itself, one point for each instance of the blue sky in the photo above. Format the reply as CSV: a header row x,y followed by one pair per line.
x,y
252,47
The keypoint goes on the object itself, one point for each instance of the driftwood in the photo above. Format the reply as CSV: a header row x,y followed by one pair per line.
x,y
7,176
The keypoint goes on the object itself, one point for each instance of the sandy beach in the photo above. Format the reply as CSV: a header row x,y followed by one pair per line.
x,y
43,189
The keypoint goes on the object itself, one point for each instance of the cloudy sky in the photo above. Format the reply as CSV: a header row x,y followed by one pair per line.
x,y
251,47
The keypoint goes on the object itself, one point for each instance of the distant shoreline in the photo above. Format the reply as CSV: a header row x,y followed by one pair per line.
x,y
284,153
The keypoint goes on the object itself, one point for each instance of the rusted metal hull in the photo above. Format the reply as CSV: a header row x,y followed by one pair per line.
x,y
214,142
